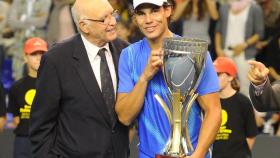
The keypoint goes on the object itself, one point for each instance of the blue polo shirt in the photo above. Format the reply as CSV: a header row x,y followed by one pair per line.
x,y
153,125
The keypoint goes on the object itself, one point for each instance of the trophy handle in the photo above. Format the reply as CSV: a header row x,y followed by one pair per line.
x,y
169,117
187,109
164,107
173,145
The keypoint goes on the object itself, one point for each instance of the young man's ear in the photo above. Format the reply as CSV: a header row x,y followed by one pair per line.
x,y
168,11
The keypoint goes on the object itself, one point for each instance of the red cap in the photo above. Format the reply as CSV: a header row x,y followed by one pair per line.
x,y
226,65
35,44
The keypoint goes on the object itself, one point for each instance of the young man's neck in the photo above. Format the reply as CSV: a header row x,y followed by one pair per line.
x,y
156,44
227,92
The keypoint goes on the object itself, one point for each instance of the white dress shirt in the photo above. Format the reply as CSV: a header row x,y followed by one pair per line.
x,y
95,59
236,30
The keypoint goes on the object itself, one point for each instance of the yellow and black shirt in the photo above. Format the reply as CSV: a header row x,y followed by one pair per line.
x,y
238,123
21,96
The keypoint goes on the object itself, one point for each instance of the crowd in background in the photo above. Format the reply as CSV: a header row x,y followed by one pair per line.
x,y
252,34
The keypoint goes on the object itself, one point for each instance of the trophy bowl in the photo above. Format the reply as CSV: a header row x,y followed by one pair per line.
x,y
183,64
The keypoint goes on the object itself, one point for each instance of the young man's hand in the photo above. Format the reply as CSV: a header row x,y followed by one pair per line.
x,y
155,62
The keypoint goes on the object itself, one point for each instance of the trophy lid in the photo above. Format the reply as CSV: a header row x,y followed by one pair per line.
x,y
193,45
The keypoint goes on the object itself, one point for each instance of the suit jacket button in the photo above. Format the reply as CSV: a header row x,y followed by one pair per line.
x,y
113,131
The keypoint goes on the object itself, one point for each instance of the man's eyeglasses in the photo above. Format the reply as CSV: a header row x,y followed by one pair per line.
x,y
106,21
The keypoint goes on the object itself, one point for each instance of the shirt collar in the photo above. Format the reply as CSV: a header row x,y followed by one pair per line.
x,y
92,49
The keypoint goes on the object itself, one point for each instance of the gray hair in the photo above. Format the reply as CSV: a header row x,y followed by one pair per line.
x,y
76,17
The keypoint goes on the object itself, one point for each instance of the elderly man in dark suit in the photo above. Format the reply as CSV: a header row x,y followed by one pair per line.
x,y
264,96
73,112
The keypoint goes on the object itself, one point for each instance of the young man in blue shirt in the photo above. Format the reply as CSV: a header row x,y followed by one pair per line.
x,y
140,78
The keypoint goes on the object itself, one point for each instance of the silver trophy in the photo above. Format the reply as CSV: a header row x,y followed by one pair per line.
x,y
183,64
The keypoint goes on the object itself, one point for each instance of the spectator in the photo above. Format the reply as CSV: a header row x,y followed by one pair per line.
x,y
21,96
197,19
28,19
196,15
60,22
123,8
237,31
269,47
238,130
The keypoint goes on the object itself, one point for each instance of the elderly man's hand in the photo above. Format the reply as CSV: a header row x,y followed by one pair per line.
x,y
258,72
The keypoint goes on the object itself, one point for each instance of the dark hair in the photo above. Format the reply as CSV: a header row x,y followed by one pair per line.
x,y
170,3
235,84
201,10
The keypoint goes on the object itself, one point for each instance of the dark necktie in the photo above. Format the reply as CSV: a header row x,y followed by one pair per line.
x,y
107,84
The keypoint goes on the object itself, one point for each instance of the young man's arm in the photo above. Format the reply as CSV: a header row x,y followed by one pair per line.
x,y
211,106
209,102
128,105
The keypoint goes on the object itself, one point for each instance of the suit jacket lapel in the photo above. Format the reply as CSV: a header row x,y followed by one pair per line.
x,y
115,55
82,64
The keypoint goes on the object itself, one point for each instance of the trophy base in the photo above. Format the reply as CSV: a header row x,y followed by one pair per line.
x,y
166,156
